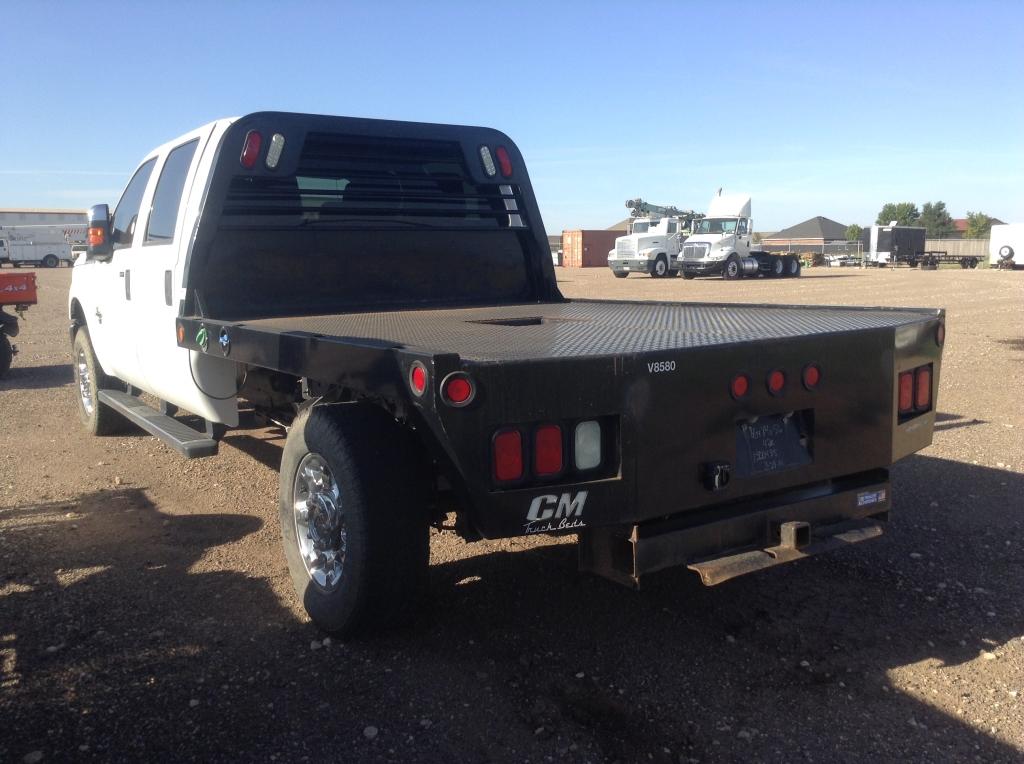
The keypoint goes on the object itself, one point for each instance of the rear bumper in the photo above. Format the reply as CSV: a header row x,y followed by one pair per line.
x,y
724,542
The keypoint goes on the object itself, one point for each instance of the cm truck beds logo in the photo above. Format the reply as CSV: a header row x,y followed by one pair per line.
x,y
555,513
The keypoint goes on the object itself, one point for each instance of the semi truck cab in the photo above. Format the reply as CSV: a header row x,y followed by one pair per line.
x,y
651,246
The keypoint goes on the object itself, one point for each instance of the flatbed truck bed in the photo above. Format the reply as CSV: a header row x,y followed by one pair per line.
x,y
577,328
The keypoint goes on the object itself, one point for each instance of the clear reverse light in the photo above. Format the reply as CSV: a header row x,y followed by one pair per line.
x,y
274,152
587,445
489,167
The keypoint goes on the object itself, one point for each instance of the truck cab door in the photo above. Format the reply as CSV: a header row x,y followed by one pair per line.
x,y
743,235
106,284
202,384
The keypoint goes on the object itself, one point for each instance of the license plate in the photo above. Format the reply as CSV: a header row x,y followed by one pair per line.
x,y
772,444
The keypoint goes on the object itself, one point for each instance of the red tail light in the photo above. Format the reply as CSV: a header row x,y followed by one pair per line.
x,y
508,455
740,386
418,378
776,382
504,161
906,391
251,149
547,450
923,388
811,376
457,389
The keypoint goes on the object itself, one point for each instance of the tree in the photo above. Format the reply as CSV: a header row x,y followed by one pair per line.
x,y
904,213
937,220
979,225
853,232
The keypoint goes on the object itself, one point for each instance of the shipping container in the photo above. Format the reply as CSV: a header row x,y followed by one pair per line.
x,y
587,249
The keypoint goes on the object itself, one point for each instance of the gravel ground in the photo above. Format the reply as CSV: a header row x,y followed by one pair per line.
x,y
146,613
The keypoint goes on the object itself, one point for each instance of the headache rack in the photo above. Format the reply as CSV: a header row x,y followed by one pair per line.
x,y
371,182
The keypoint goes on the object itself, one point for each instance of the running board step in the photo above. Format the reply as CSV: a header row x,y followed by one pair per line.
x,y
190,443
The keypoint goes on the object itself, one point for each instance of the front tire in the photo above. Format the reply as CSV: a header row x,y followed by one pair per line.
x,y
620,274
354,517
732,270
98,418
660,268
689,276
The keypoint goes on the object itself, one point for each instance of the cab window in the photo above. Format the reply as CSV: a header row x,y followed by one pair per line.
x,y
742,227
167,197
127,212
671,226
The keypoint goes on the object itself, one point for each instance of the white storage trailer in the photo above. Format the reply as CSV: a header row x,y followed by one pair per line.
x,y
1006,245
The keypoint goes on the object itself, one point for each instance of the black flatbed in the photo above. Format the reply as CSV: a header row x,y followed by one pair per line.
x,y
583,328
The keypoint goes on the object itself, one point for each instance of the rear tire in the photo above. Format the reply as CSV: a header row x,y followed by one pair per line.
x,y
51,261
619,275
793,266
778,267
733,269
359,560
6,355
98,418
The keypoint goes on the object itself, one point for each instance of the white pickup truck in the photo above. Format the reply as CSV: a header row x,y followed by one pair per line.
x,y
385,291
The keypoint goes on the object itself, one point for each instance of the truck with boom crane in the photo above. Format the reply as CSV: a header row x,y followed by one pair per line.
x,y
654,242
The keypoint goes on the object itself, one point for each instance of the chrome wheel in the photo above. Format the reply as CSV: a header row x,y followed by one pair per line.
x,y
85,383
319,521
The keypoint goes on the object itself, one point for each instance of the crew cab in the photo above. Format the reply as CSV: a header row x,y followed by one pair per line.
x,y
384,291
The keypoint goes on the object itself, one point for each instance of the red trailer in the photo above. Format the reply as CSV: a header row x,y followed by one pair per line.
x,y
17,290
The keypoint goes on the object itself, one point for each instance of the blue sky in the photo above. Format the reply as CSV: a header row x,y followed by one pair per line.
x,y
819,108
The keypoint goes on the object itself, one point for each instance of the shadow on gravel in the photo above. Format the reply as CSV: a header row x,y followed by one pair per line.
x,y
944,421
519,657
99,607
37,377
803,661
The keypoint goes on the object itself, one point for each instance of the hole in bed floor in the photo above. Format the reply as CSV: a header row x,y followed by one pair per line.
x,y
524,321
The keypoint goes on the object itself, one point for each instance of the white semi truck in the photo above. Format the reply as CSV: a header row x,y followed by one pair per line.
x,y
721,243
1006,245
655,238
39,245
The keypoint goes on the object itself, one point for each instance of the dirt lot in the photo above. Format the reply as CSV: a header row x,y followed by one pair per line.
x,y
146,614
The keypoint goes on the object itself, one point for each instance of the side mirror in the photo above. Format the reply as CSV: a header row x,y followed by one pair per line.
x,y
99,234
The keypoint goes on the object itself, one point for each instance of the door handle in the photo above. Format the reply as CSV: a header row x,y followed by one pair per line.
x,y
127,284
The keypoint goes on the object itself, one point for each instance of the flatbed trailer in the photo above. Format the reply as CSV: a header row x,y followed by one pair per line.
x,y
384,291
931,259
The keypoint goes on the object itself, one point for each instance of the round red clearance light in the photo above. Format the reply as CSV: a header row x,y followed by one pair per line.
x,y
812,376
418,378
776,382
740,386
940,335
457,389
251,149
